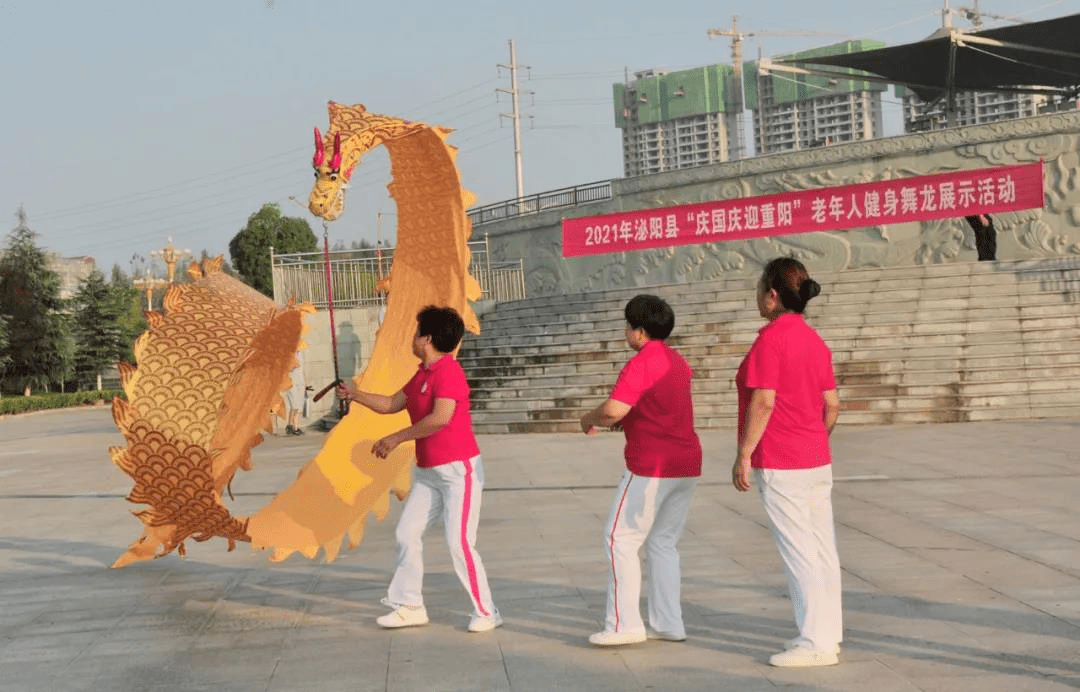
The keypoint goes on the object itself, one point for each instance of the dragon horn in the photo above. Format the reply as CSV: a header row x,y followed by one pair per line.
x,y
335,162
320,154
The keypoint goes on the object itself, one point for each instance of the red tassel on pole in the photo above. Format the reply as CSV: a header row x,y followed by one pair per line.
x,y
343,406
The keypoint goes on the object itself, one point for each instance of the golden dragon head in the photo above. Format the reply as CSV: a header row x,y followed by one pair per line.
x,y
327,197
353,132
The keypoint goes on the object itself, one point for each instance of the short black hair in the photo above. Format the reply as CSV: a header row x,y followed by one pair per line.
x,y
651,313
443,325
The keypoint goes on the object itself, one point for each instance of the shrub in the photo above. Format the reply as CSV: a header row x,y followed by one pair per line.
x,y
41,402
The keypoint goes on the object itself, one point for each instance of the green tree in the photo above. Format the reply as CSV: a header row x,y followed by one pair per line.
x,y
40,349
129,306
99,335
266,228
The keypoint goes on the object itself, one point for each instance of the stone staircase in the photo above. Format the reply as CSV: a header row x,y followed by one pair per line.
x,y
939,343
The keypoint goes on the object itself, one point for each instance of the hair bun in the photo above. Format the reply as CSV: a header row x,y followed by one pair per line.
x,y
809,289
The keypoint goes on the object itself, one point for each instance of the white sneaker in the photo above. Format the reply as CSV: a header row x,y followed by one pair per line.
x,y
485,623
403,616
802,657
799,641
606,638
666,636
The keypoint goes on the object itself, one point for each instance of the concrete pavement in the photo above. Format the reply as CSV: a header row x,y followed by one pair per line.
x,y
959,544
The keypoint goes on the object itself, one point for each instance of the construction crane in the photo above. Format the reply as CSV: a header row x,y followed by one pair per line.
x,y
975,16
733,108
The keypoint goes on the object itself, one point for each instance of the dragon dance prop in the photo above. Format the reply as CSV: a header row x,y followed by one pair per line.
x,y
213,366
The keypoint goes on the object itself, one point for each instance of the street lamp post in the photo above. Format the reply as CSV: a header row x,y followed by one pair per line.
x,y
170,255
150,283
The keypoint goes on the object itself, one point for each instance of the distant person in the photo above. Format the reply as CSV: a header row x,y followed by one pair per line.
x,y
788,406
449,477
651,402
295,397
985,236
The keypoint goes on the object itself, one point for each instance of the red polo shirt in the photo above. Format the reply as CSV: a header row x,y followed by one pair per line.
x,y
444,379
790,358
660,437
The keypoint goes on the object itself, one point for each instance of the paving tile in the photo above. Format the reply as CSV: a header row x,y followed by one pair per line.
x,y
955,578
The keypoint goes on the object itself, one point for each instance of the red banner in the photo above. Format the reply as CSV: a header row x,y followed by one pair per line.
x,y
921,198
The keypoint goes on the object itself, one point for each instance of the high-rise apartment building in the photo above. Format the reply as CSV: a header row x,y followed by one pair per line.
x,y
795,111
673,120
971,108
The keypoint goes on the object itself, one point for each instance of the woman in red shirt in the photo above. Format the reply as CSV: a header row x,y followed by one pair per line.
x,y
787,407
652,403
449,476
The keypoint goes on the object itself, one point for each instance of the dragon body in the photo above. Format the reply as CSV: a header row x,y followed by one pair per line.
x,y
210,369
335,492
214,365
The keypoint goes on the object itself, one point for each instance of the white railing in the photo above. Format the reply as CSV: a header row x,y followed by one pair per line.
x,y
534,204
355,275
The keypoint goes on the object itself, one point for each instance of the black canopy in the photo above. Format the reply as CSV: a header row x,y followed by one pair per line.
x,y
1038,56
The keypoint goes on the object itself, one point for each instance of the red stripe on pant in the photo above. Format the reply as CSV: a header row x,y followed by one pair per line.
x,y
611,541
466,549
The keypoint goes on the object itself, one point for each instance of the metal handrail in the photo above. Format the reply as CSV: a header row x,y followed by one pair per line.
x,y
355,275
534,204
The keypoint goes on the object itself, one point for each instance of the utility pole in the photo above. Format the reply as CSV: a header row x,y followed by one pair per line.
x,y
515,116
950,75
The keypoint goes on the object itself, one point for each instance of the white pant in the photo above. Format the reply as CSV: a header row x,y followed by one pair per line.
x,y
451,491
799,505
650,511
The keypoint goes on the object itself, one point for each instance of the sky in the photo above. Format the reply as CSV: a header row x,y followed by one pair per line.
x,y
127,122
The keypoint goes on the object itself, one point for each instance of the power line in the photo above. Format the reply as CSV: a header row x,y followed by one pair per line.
x,y
186,186
575,102
193,224
475,135
576,126
116,201
484,83
209,179
484,146
142,217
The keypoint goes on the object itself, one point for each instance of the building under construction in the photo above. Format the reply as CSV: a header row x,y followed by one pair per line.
x,y
797,111
674,120
971,108
820,96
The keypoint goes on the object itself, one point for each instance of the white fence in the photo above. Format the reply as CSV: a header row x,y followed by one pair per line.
x,y
534,204
354,275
